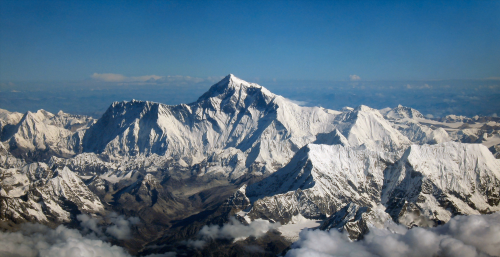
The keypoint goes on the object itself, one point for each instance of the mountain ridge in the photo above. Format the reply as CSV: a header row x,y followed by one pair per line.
x,y
241,151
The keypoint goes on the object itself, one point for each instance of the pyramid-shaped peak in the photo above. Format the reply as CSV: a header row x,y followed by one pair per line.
x,y
364,108
231,85
232,81
39,115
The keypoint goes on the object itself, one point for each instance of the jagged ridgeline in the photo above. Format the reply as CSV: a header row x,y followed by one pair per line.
x,y
241,151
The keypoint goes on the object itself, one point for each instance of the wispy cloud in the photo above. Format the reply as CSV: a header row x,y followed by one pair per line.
x,y
425,86
354,77
112,77
119,225
152,79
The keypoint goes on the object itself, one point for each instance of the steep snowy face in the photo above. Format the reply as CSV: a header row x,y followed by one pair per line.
x,y
426,186
32,134
229,92
320,180
70,122
236,119
118,130
42,134
435,182
366,127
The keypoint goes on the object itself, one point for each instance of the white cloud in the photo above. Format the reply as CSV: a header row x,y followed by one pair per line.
x,y
111,77
233,230
152,79
89,224
121,226
425,86
181,79
467,236
354,77
39,240
429,116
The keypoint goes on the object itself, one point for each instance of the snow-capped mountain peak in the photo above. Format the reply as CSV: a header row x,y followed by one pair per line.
x,y
401,112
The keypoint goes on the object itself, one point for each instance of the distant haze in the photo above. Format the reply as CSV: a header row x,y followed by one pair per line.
x,y
437,98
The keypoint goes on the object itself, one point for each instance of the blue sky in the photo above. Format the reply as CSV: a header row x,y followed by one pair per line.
x,y
440,57
298,40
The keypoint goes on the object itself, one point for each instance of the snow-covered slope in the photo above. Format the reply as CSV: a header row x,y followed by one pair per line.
x,y
439,181
38,194
357,166
235,118
320,180
366,127
42,134
424,186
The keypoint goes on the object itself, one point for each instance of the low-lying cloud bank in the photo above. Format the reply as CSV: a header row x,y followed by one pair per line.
x,y
232,230
462,236
39,240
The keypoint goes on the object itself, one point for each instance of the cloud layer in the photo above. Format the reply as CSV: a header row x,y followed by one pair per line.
x,y
466,236
151,79
119,226
111,77
39,240
233,230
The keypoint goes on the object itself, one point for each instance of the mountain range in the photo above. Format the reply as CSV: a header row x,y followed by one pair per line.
x,y
243,154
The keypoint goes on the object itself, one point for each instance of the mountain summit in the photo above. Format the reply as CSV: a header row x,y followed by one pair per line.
x,y
234,118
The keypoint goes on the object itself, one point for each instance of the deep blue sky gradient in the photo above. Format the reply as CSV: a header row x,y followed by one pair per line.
x,y
303,40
